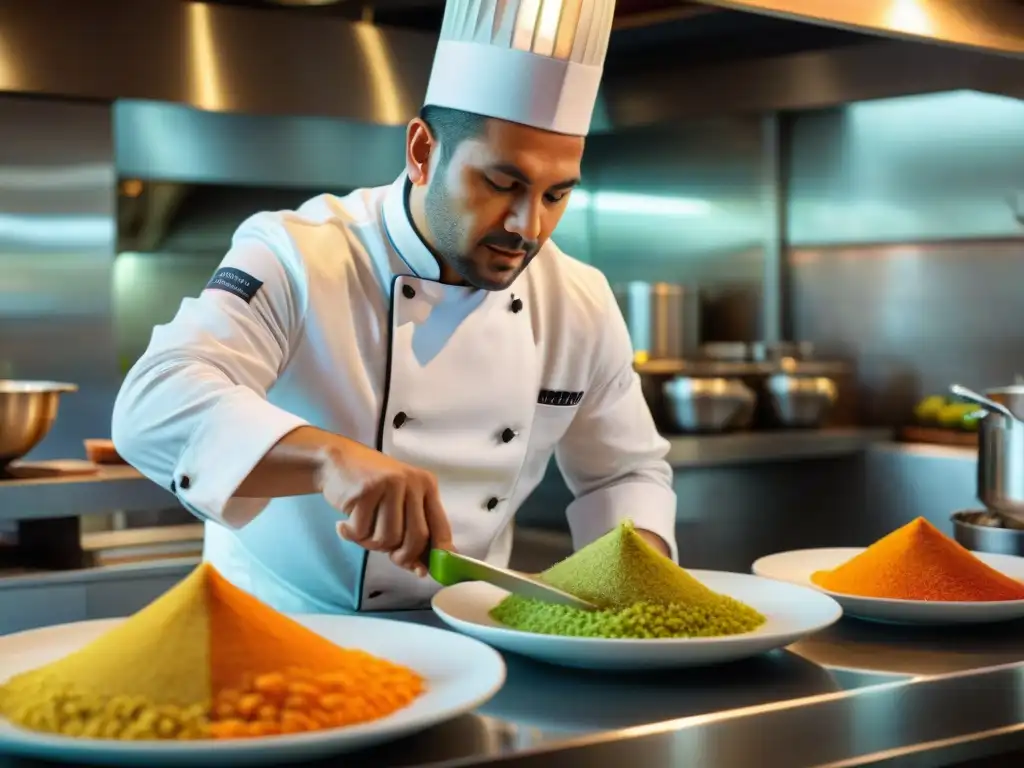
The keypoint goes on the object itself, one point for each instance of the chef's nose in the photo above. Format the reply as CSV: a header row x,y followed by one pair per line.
x,y
524,220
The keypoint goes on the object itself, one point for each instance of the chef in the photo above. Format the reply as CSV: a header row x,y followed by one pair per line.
x,y
368,376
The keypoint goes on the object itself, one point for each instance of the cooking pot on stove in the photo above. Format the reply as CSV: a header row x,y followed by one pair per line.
x,y
1000,455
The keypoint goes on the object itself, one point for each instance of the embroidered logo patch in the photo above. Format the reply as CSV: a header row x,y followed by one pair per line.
x,y
558,397
235,281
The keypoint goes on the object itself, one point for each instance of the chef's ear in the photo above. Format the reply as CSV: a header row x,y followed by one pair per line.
x,y
419,145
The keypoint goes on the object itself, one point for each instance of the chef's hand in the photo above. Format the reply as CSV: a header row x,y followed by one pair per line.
x,y
392,507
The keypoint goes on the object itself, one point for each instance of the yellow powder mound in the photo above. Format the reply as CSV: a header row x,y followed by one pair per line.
x,y
206,660
641,594
918,562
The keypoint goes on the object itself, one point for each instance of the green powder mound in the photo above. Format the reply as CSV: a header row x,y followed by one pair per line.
x,y
638,621
640,594
621,569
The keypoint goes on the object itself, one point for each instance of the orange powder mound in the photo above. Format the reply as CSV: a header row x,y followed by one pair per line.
x,y
206,660
918,562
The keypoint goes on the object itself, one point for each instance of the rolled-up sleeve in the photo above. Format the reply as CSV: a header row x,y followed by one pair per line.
x,y
192,413
612,456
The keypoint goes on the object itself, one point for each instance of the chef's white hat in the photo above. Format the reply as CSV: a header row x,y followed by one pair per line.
x,y
535,62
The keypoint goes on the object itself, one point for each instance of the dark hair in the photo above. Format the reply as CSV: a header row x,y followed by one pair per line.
x,y
451,127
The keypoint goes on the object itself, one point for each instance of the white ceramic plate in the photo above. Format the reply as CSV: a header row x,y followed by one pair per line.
x,y
461,674
796,568
792,613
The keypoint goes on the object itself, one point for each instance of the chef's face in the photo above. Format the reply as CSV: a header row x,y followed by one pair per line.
x,y
494,202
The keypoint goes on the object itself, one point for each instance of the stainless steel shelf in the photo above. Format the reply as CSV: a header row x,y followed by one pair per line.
x,y
24,579
925,451
111,488
782,445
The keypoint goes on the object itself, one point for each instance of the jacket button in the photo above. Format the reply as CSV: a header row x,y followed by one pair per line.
x,y
516,306
184,483
408,291
508,435
400,419
492,503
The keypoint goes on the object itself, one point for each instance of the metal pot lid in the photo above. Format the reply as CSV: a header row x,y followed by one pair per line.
x,y
1009,389
16,386
1011,396
1017,388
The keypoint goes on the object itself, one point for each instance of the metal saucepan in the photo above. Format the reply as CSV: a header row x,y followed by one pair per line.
x,y
27,411
800,401
1000,456
709,404
984,531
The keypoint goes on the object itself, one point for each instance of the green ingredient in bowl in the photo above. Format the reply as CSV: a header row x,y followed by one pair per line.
x,y
640,594
639,621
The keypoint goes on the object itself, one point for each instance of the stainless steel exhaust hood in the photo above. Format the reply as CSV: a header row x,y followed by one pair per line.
x,y
190,177
995,26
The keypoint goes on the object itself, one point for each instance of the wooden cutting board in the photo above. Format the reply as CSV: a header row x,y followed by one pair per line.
x,y
52,468
939,436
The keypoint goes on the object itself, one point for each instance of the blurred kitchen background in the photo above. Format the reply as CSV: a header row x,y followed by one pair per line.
x,y
813,226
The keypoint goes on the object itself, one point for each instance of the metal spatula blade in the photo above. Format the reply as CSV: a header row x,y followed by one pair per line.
x,y
450,568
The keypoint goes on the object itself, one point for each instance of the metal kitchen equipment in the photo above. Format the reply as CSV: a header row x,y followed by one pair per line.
x,y
663,319
1000,456
27,411
984,531
450,568
725,351
763,351
709,404
800,401
1011,396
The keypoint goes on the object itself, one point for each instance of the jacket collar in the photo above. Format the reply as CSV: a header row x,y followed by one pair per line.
x,y
402,235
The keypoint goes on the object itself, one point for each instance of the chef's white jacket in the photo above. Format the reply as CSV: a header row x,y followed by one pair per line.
x,y
332,315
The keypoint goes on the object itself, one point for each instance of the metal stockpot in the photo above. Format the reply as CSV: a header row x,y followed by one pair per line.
x,y
1000,456
663,319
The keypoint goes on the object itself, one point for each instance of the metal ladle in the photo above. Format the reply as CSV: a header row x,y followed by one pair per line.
x,y
1000,456
984,402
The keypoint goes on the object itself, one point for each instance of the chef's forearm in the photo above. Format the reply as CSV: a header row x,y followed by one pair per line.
x,y
292,466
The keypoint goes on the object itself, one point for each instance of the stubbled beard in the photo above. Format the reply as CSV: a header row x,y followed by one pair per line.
x,y
446,227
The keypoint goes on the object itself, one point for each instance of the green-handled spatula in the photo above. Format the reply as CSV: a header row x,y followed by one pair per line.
x,y
448,568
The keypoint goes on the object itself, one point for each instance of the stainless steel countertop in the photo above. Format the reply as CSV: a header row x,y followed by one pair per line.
x,y
856,694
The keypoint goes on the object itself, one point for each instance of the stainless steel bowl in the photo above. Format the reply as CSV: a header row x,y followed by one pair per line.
x,y
800,401
763,351
709,404
27,411
983,531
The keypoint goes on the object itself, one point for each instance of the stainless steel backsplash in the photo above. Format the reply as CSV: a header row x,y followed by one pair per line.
x,y
905,253
679,203
57,196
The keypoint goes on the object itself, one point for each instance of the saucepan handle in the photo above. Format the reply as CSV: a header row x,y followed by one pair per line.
x,y
989,405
